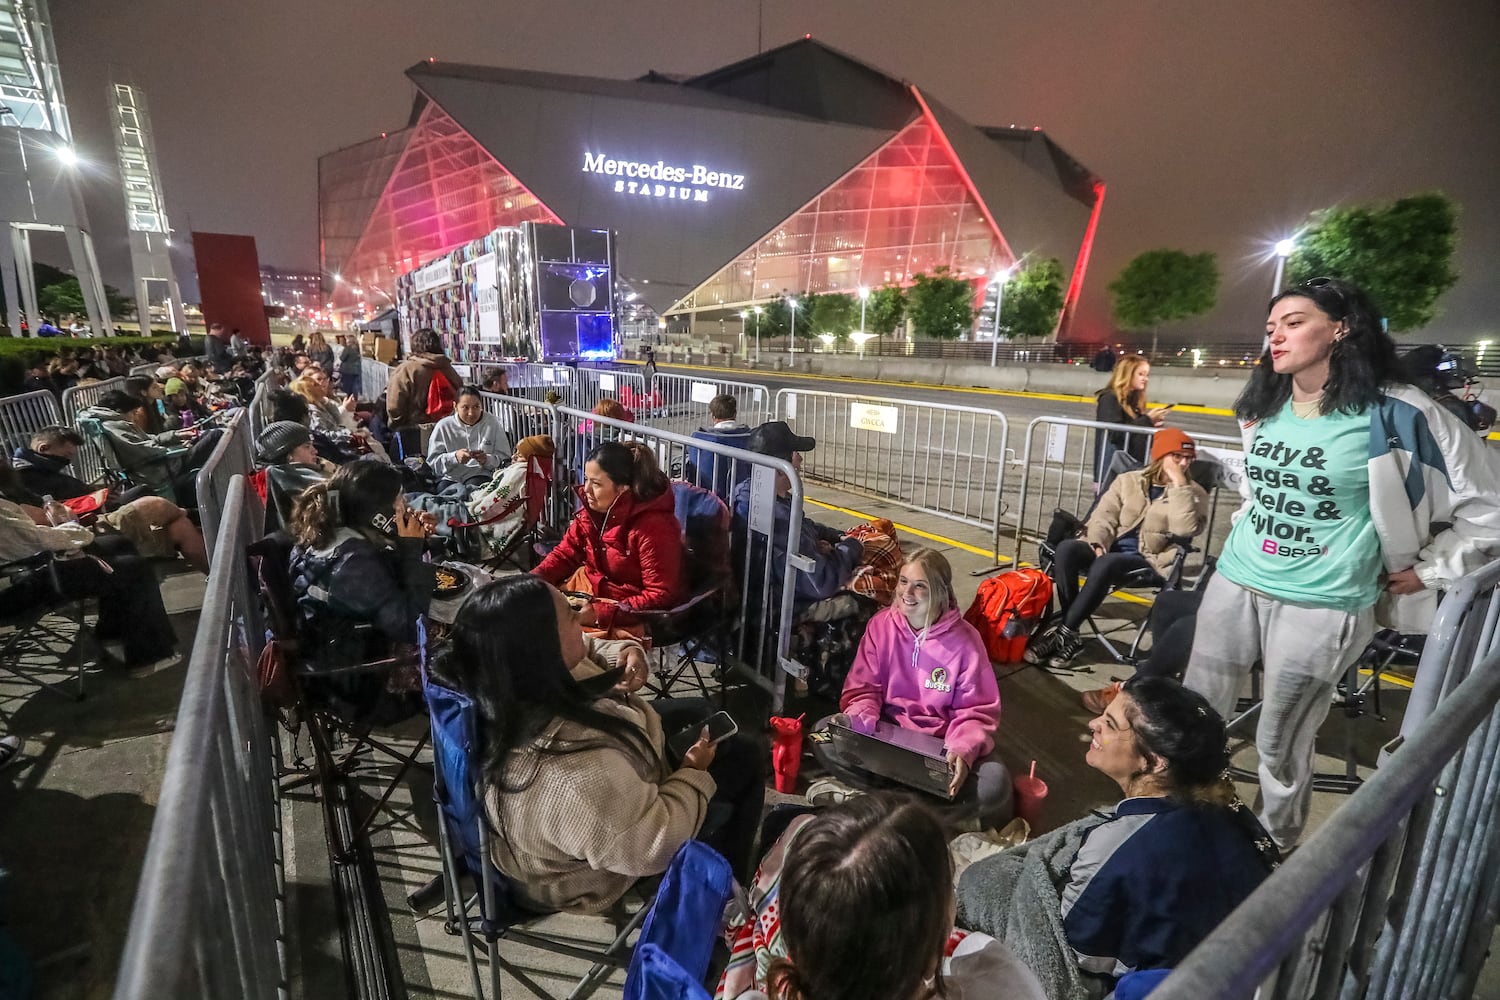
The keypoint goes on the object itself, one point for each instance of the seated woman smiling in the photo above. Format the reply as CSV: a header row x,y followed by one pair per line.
x,y
578,780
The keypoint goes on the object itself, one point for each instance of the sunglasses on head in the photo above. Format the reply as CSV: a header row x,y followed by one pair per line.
x,y
1313,284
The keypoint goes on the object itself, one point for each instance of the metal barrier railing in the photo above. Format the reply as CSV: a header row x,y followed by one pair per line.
x,y
374,376
682,401
260,405
1396,895
233,456
933,457
590,385
1057,470
208,918
24,414
760,613
88,465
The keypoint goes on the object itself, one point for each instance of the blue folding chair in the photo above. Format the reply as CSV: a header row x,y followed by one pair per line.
x,y
493,912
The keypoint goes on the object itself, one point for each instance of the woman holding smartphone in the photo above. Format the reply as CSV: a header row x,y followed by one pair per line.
x,y
580,786
1123,401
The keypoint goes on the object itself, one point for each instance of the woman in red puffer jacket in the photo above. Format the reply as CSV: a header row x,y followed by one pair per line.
x,y
625,545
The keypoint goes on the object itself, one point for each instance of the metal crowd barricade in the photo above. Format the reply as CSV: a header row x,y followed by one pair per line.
x,y
374,376
260,404
23,415
208,919
1396,895
683,401
89,463
233,456
591,385
933,457
761,641
522,418
534,381
1057,471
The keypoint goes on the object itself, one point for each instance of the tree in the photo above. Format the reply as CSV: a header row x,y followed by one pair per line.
x,y
940,305
62,299
835,313
1033,299
1160,286
885,311
777,319
1400,253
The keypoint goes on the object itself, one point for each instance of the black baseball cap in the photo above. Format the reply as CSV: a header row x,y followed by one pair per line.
x,y
776,439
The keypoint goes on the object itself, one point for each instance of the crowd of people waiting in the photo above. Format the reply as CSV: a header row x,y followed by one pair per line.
x,y
590,792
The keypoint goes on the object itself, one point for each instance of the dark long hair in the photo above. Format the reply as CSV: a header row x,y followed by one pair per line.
x,y
351,497
1362,363
633,465
866,903
504,654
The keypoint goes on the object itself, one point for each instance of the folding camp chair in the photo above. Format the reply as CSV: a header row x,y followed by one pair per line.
x,y
33,632
309,701
533,498
494,910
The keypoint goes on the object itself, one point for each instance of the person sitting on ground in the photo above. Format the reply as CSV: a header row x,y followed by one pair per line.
x,y
158,528
1123,401
855,902
183,409
1170,861
924,668
107,567
718,472
578,780
286,450
409,397
469,445
357,569
834,555
1138,524
328,416
624,546
156,460
507,486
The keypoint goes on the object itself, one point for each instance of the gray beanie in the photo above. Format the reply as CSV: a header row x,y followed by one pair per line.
x,y
278,440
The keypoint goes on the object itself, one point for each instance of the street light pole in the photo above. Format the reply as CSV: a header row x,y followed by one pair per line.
x,y
1001,277
757,334
791,345
1284,250
864,296
743,346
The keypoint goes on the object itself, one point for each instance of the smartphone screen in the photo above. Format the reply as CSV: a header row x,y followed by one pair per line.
x,y
720,727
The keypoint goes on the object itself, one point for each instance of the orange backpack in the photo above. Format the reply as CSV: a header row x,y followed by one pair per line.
x,y
1007,608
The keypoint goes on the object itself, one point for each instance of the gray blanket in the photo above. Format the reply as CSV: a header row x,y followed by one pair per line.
x,y
1015,896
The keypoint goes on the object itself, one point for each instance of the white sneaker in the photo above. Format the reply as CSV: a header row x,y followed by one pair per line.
x,y
830,792
10,750
147,669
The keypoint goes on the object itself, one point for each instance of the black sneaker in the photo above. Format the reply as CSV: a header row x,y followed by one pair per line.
x,y
1041,645
1069,645
10,750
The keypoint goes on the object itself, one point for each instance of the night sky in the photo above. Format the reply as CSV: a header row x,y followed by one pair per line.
x,y
1216,125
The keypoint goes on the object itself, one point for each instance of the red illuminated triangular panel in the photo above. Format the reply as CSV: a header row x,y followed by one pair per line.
x,y
905,209
446,191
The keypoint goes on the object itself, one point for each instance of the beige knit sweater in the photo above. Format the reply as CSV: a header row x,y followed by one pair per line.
x,y
591,823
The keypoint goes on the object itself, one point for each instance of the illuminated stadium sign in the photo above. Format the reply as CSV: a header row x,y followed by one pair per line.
x,y
661,179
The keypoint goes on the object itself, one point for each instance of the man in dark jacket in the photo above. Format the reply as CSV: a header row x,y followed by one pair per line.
x,y
717,472
407,394
42,468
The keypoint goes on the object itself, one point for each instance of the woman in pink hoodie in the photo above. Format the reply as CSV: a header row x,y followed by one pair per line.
x,y
922,667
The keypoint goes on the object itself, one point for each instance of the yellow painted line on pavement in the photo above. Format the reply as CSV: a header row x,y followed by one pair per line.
x,y
908,529
1395,679
979,390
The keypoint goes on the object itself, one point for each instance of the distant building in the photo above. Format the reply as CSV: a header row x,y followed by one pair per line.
x,y
797,170
292,289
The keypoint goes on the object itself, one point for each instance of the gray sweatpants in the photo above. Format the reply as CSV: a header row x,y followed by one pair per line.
x,y
1305,651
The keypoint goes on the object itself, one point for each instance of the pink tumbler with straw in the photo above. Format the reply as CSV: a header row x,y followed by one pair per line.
x,y
1031,792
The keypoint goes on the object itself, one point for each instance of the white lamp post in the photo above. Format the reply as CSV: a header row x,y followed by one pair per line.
x,y
791,345
1284,250
757,334
864,296
743,316
1001,277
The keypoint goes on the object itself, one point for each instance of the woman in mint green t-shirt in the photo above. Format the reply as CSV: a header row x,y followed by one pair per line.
x,y
1330,436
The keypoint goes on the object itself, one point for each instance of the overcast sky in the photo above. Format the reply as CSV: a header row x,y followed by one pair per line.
x,y
1216,125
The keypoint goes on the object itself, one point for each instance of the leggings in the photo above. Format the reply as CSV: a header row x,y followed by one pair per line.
x,y
739,771
1104,573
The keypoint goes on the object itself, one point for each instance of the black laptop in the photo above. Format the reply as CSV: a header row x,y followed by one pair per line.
x,y
914,759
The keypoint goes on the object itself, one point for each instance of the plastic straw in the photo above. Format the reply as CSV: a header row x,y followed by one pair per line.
x,y
1033,770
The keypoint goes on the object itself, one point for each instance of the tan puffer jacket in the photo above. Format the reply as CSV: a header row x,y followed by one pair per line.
x,y
1181,511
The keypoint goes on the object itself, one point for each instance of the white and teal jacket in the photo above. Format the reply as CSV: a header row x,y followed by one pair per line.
x,y
1434,499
